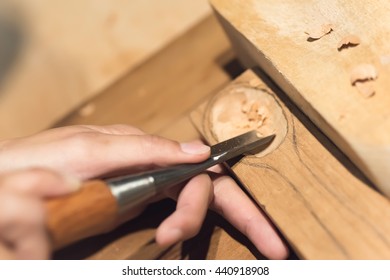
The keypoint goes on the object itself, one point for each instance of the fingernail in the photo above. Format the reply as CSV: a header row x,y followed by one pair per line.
x,y
73,182
194,148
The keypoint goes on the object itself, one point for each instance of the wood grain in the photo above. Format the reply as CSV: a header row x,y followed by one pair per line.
x,y
309,189
316,75
91,211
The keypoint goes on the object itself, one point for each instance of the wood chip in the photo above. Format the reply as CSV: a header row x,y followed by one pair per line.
x,y
367,88
363,72
260,123
320,31
245,106
252,116
255,107
348,41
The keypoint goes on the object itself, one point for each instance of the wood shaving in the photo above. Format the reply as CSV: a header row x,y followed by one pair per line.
x,y
252,116
255,116
245,107
348,41
241,109
363,72
320,31
255,107
367,88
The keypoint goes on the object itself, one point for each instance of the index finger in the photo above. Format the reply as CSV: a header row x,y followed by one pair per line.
x,y
237,208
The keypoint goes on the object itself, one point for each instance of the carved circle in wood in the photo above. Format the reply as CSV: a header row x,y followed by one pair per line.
x,y
241,108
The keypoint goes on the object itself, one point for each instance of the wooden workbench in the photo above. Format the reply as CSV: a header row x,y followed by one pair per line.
x,y
158,96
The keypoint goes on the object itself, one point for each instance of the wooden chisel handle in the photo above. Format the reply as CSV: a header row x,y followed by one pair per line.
x,y
90,211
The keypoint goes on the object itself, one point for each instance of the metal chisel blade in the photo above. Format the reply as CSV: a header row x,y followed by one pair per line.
x,y
241,144
133,190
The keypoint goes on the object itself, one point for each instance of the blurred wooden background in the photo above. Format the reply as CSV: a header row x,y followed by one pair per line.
x,y
71,50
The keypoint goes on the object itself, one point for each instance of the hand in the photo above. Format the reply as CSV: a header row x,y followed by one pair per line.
x,y
91,151
22,214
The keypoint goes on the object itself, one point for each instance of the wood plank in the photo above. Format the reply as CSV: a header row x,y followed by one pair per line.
x,y
316,74
310,190
187,71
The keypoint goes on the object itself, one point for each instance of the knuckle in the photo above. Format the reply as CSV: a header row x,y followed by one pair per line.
x,y
83,144
158,144
148,142
88,153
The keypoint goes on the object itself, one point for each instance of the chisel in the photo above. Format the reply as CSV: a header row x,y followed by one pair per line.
x,y
100,204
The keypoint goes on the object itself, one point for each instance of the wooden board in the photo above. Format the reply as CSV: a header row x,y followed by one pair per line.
x,y
310,190
72,50
157,96
316,75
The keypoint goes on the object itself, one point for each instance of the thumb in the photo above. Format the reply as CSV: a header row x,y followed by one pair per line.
x,y
40,182
150,149
137,152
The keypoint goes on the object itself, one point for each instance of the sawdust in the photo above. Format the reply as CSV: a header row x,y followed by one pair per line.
x,y
244,109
